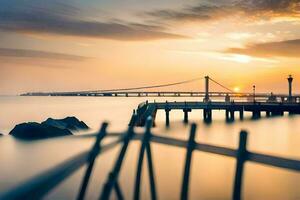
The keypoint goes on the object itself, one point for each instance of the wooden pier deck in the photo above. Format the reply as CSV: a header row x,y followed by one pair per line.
x,y
147,109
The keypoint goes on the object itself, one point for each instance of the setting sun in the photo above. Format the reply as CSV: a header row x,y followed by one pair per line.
x,y
236,89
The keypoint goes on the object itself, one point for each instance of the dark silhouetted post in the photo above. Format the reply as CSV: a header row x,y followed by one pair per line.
x,y
254,93
227,114
186,113
232,117
151,170
94,152
241,158
144,146
167,117
112,181
290,80
186,116
206,98
241,114
167,110
186,175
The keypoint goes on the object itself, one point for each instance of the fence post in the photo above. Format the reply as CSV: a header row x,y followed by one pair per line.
x,y
145,142
150,165
113,176
133,120
93,154
241,158
186,176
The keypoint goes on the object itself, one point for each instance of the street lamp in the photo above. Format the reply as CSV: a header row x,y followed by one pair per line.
x,y
254,93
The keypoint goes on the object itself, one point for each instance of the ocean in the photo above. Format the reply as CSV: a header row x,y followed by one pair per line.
x,y
211,175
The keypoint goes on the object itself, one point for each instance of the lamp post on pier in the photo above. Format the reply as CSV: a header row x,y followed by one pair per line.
x,y
254,93
290,81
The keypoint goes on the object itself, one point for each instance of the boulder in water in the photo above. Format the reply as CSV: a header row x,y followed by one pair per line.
x,y
33,130
70,123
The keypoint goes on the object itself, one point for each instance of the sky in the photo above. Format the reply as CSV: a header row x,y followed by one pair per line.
x,y
73,45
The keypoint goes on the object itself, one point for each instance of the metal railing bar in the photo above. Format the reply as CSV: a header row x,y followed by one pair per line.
x,y
198,146
39,185
140,160
91,135
224,151
188,161
93,154
137,136
274,161
168,141
113,175
42,183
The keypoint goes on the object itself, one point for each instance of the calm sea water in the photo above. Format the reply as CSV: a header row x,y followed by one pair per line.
x,y
212,175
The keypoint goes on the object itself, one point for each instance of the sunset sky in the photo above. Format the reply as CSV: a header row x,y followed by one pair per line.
x,y
52,45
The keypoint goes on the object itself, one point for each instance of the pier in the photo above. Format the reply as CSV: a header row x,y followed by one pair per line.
x,y
147,109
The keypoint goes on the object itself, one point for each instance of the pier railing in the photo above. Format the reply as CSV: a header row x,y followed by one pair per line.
x,y
40,185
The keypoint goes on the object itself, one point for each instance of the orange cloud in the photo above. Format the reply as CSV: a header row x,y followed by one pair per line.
x,y
287,48
214,10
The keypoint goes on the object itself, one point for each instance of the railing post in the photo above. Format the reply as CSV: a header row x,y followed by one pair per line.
x,y
144,145
112,181
150,168
241,158
186,176
167,110
133,119
227,115
93,154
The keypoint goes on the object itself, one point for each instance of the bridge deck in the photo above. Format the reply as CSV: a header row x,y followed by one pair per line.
x,y
161,94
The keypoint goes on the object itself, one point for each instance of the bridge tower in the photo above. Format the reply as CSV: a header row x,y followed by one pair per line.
x,y
290,80
206,98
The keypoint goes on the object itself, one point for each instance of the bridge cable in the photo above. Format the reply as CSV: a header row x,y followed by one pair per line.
x,y
222,85
147,87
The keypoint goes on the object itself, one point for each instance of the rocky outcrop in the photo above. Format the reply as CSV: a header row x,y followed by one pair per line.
x,y
33,130
70,123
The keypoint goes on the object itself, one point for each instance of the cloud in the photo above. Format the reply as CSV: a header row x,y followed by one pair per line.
x,y
62,19
217,9
287,48
26,53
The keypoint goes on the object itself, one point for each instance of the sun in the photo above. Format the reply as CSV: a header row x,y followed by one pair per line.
x,y
236,89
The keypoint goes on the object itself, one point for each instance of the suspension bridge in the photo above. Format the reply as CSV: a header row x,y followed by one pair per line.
x,y
206,94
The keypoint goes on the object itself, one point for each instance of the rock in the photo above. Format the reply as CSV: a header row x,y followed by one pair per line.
x,y
33,130
70,123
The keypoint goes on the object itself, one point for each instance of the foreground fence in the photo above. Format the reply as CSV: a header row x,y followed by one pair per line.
x,y
43,183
